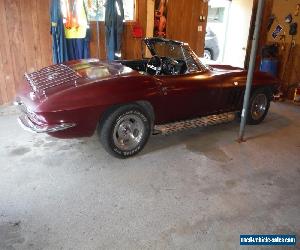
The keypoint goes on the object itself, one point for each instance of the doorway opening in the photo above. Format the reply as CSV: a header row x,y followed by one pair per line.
x,y
227,33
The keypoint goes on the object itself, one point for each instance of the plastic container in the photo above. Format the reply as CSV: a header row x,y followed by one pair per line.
x,y
270,65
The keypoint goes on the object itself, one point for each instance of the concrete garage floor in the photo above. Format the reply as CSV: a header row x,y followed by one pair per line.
x,y
198,189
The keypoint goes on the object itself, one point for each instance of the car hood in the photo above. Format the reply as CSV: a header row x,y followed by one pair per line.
x,y
224,69
73,74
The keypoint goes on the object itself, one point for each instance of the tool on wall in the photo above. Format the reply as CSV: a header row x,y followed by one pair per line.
x,y
271,21
289,18
285,31
293,29
277,31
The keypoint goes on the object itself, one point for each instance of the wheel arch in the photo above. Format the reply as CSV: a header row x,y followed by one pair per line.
x,y
145,105
268,89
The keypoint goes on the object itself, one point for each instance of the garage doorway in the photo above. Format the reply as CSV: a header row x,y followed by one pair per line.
x,y
228,25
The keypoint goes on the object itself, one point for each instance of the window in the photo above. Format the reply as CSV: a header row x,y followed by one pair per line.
x,y
96,9
216,15
129,10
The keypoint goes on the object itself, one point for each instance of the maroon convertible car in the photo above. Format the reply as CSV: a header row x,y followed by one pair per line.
x,y
124,100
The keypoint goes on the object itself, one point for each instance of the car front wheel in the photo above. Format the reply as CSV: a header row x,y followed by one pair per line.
x,y
258,107
125,131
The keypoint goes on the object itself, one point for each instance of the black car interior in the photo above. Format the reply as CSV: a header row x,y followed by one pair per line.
x,y
157,66
138,65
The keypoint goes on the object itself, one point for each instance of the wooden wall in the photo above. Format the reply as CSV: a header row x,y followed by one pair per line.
x,y
25,42
289,71
182,24
183,21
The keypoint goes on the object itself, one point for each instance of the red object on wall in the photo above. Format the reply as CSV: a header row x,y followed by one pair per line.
x,y
137,31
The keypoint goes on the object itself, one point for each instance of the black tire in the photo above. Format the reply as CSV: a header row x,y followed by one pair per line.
x,y
258,106
111,135
207,54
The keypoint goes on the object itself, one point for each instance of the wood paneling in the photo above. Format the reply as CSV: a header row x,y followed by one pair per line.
x,y
25,43
26,40
131,48
182,24
6,72
183,20
93,43
289,66
289,70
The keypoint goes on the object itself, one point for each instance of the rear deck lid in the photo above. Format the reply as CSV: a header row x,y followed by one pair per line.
x,y
51,77
94,69
72,74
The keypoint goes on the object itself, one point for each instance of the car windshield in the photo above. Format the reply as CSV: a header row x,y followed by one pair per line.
x,y
163,49
175,50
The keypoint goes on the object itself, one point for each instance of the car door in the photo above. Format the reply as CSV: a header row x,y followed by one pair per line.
x,y
189,96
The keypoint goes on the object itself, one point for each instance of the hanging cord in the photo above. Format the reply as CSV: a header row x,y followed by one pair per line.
x,y
290,57
287,63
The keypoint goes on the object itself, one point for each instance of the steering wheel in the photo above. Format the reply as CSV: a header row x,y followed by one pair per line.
x,y
154,65
171,66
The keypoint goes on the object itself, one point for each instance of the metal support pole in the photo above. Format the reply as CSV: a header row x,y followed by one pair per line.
x,y
251,69
98,40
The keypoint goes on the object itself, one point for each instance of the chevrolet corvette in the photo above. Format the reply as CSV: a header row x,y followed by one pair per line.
x,y
124,100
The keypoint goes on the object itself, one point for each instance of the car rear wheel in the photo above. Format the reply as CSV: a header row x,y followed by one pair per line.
x,y
125,131
258,107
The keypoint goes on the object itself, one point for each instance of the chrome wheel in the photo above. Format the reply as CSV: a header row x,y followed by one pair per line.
x,y
259,106
128,132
